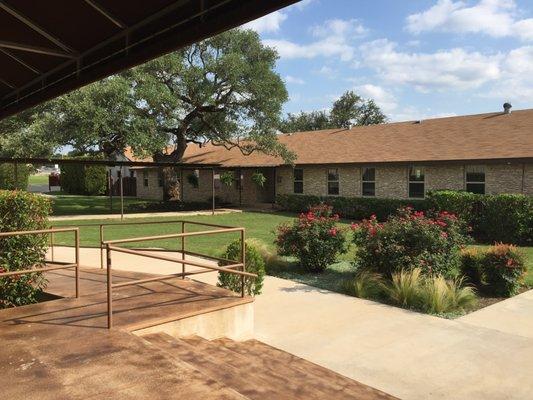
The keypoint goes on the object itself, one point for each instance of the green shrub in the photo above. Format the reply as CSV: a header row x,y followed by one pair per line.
x,y
409,240
404,288
22,211
273,262
357,208
10,180
507,218
471,266
504,218
463,204
439,295
503,269
365,285
84,179
313,238
254,264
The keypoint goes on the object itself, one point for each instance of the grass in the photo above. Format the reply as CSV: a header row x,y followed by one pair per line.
x,y
258,225
41,179
63,204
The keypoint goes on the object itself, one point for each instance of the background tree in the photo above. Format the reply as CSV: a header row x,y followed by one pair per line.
x,y
350,109
223,90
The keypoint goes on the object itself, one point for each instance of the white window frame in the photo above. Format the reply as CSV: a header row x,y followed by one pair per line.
x,y
338,181
363,182
294,180
484,183
409,181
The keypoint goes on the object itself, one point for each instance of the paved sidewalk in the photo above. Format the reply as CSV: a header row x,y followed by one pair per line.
x,y
143,215
406,354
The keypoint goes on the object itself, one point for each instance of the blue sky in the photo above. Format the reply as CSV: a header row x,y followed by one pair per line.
x,y
417,59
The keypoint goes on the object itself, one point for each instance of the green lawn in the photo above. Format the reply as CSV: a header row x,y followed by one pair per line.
x,y
41,179
258,225
63,204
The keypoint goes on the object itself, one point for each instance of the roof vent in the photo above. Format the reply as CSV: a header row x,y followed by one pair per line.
x,y
507,108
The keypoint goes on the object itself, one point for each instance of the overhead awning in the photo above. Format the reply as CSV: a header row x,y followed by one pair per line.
x,y
50,47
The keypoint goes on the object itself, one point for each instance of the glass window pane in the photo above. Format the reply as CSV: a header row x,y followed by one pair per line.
x,y
333,188
298,174
416,189
369,174
478,188
369,189
333,175
416,174
298,187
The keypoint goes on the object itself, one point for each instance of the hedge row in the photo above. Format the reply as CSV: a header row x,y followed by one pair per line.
x,y
10,180
357,208
22,211
506,218
84,179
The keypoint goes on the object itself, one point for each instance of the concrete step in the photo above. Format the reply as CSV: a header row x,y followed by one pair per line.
x,y
248,383
297,369
259,371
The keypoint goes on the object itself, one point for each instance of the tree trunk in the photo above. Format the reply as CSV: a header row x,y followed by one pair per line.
x,y
170,175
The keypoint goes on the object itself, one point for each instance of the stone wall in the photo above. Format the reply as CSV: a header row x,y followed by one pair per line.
x,y
392,181
153,191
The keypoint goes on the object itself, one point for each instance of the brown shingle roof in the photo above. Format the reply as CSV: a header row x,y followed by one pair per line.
x,y
471,137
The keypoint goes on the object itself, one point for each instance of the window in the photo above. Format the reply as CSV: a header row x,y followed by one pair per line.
x,y
160,178
132,173
475,179
369,181
298,175
416,182
145,178
333,182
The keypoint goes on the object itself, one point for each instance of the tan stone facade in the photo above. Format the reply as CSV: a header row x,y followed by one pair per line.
x,y
391,181
148,184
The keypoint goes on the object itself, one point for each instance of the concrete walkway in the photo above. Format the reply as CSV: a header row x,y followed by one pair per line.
x,y
406,354
143,215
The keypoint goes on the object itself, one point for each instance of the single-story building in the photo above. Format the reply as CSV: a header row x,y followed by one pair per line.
x,y
485,153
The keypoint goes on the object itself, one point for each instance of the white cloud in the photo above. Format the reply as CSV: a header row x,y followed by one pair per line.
x,y
270,23
516,83
496,18
303,4
293,79
383,98
334,38
444,69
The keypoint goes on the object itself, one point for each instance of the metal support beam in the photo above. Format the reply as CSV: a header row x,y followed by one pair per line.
x,y
35,49
31,24
106,14
20,61
9,85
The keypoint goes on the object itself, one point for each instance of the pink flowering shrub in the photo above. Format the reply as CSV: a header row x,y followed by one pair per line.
x,y
314,238
503,268
408,240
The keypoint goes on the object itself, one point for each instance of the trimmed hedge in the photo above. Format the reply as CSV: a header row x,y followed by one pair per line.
x,y
7,176
358,208
506,218
22,211
84,179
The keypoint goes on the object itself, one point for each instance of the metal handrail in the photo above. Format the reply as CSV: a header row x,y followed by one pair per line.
x,y
60,265
109,246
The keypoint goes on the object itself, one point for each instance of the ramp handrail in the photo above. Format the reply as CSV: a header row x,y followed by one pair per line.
x,y
58,264
232,268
